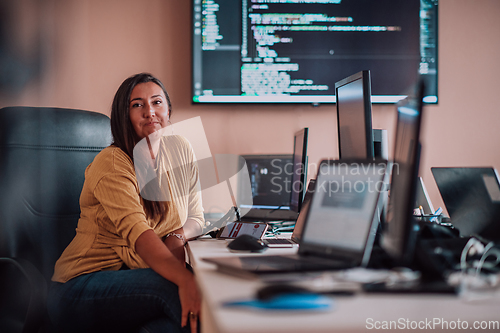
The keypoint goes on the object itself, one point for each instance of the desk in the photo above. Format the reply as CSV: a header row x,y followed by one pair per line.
x,y
349,314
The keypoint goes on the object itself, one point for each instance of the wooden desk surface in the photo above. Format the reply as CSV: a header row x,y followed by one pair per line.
x,y
360,313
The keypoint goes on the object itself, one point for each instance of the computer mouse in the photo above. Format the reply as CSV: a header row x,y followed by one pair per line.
x,y
247,243
276,290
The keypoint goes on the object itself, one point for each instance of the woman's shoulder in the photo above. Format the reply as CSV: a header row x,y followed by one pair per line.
x,y
177,144
111,160
113,154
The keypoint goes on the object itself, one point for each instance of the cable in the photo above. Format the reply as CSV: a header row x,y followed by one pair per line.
x,y
488,250
465,251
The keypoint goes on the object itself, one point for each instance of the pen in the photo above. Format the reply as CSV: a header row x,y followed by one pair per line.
x,y
437,213
421,209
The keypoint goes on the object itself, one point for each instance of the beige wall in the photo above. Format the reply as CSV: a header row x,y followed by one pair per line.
x,y
93,45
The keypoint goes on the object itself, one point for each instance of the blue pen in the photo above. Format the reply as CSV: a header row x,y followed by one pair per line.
x,y
437,213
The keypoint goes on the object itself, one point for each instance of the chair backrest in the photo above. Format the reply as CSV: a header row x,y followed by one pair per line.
x,y
43,156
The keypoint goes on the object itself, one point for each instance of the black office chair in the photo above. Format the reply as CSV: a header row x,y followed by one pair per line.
x,y
43,156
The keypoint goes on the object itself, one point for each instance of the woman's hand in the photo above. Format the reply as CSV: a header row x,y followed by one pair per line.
x,y
154,252
188,290
190,302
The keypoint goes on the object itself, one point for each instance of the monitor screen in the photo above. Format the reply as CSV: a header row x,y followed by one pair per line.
x,y
299,170
293,51
471,196
398,235
354,116
270,179
342,216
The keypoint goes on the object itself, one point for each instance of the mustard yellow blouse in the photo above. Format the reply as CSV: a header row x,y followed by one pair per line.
x,y
112,214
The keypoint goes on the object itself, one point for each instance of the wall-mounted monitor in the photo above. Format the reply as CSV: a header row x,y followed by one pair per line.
x,y
292,51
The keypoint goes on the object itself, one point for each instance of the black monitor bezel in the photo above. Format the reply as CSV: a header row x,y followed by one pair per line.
x,y
302,172
400,247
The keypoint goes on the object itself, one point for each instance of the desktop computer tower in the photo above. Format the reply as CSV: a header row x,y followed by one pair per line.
x,y
380,146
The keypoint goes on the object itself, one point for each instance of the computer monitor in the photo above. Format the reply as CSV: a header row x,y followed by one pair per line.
x,y
354,116
471,196
270,179
398,233
299,170
263,51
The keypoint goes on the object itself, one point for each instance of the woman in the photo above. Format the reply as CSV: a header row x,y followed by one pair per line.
x,y
125,269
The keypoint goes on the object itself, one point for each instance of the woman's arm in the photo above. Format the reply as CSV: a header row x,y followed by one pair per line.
x,y
176,240
192,229
152,250
195,222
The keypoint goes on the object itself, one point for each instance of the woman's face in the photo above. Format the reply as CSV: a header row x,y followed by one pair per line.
x,y
148,109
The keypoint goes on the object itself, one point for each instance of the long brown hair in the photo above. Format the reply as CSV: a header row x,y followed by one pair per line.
x,y
124,135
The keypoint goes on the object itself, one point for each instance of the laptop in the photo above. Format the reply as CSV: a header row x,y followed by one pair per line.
x,y
340,224
299,224
472,197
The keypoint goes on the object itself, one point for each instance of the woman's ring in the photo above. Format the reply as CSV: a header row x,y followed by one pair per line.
x,y
192,316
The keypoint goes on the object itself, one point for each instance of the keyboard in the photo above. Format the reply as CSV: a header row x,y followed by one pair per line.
x,y
278,241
